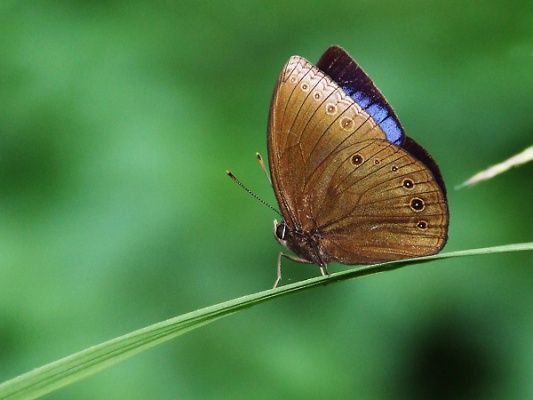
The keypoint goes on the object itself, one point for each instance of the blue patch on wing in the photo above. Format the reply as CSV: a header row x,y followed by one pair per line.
x,y
392,130
379,113
360,97
336,63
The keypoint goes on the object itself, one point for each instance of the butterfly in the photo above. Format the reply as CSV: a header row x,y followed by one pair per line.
x,y
351,186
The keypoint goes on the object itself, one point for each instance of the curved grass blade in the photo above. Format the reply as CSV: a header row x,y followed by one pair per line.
x,y
77,366
523,157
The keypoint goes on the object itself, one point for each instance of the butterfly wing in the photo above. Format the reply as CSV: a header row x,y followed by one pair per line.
x,y
311,118
344,70
376,202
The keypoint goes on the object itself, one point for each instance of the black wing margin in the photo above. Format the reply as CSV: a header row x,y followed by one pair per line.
x,y
345,71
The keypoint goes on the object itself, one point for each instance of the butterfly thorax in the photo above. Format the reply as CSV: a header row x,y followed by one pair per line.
x,y
305,244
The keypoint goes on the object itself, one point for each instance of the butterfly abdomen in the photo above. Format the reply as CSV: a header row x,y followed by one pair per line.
x,y
307,246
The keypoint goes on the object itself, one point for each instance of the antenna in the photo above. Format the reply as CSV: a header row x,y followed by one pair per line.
x,y
262,164
238,182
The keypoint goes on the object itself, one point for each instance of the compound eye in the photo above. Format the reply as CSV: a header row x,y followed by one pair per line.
x,y
281,231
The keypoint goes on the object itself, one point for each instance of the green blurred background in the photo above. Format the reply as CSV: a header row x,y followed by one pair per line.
x,y
117,121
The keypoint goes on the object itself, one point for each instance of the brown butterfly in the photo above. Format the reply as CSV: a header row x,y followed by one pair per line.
x,y
351,187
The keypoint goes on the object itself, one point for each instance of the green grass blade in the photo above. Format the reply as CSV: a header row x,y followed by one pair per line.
x,y
521,158
79,365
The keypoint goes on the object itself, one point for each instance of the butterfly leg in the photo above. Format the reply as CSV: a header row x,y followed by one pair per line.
x,y
262,164
324,270
290,257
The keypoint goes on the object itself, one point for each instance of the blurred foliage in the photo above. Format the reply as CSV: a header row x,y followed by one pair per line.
x,y
117,122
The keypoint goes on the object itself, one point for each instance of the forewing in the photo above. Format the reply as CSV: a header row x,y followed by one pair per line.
x,y
349,75
311,120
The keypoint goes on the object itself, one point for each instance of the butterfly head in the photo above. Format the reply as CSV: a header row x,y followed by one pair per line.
x,y
304,244
281,232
